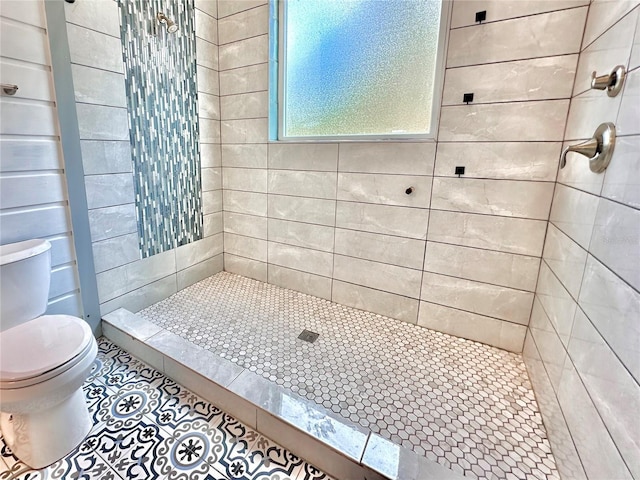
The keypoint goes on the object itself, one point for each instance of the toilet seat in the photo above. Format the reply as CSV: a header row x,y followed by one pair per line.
x,y
42,348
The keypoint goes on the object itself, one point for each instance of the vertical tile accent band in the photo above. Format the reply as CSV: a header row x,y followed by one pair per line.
x,y
162,95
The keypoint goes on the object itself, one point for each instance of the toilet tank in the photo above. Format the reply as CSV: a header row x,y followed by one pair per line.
x,y
25,274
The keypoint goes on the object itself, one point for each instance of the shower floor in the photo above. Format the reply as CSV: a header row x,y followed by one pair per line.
x,y
466,405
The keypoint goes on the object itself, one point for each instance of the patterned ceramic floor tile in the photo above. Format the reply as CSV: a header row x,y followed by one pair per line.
x,y
146,426
267,460
463,404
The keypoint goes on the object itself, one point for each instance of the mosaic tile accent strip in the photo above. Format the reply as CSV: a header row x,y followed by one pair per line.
x,y
146,426
466,405
162,95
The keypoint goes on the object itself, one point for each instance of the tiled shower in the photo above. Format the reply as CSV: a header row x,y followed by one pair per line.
x,y
514,253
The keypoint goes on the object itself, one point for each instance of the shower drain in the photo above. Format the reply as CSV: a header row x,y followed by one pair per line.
x,y
308,336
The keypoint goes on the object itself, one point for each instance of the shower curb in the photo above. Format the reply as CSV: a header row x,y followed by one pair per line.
x,y
339,447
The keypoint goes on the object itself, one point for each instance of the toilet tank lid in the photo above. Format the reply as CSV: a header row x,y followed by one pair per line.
x,y
40,345
14,252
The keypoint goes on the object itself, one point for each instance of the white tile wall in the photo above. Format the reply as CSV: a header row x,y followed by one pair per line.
x,y
344,205
33,190
584,330
124,279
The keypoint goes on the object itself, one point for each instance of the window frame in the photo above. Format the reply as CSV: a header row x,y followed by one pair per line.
x,y
277,79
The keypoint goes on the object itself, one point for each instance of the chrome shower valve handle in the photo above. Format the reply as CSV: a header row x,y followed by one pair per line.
x,y
598,149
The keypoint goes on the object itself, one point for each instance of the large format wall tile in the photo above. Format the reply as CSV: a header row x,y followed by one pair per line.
x,y
244,52
551,349
99,87
109,190
299,258
622,177
394,158
385,219
600,457
401,251
245,266
244,105
494,197
247,155
611,49
247,225
246,79
111,222
118,281
250,203
627,122
534,79
302,183
506,335
616,240
248,23
311,210
380,276
505,269
485,299
245,179
94,49
602,373
559,436
100,16
244,131
614,308
504,234
559,306
247,247
464,11
542,35
317,237
106,157
565,258
504,160
574,213
603,14
385,189
384,303
504,122
304,156
300,281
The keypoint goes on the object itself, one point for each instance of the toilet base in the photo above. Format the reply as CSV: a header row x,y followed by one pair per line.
x,y
42,438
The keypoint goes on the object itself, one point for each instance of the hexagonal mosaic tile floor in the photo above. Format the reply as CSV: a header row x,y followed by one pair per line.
x,y
466,405
146,427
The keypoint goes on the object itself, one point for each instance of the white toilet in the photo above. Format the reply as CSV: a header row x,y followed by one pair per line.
x,y
44,361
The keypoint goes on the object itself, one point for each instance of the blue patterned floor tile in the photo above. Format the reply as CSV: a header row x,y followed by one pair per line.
x,y
129,450
268,460
83,464
309,472
177,404
190,452
233,442
96,394
129,405
10,462
128,370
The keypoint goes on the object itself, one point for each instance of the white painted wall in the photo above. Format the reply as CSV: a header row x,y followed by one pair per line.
x,y
33,192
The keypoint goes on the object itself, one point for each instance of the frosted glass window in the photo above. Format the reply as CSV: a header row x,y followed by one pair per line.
x,y
359,68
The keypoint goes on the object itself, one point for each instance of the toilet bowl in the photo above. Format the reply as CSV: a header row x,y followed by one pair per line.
x,y
44,360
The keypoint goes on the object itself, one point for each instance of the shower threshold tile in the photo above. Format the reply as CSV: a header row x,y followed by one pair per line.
x,y
458,403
